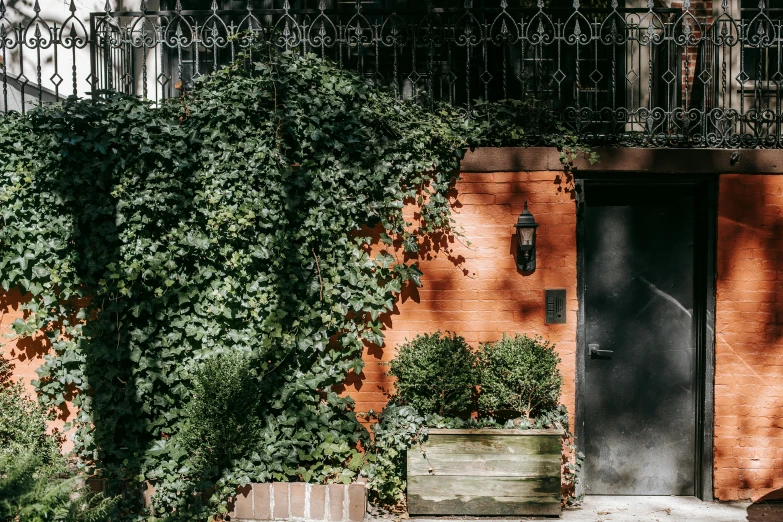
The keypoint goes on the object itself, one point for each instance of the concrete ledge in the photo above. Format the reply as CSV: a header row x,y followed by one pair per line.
x,y
638,160
300,502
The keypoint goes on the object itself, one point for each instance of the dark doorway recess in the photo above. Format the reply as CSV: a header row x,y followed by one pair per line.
x,y
645,346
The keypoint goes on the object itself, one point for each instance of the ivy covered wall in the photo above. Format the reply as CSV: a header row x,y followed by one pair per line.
x,y
205,269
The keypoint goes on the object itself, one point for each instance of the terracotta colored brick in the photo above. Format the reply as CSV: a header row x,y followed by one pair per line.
x,y
318,502
510,177
298,501
280,498
747,320
336,494
243,503
261,501
357,502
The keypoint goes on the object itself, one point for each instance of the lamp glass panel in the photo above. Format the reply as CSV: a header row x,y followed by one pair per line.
x,y
526,236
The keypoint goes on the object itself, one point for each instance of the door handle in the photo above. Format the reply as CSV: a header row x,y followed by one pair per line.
x,y
596,352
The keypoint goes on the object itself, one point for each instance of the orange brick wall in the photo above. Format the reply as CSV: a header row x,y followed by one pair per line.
x,y
476,291
24,356
749,338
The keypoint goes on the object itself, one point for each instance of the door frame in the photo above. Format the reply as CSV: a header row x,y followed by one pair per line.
x,y
705,218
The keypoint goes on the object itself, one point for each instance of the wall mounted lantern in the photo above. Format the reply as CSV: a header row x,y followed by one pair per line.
x,y
526,234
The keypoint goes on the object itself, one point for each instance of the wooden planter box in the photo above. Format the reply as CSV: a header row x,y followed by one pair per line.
x,y
485,472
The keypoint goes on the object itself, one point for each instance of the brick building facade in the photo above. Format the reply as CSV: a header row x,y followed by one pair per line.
x,y
476,290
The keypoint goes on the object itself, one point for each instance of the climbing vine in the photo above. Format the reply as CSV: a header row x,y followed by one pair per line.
x,y
239,218
256,222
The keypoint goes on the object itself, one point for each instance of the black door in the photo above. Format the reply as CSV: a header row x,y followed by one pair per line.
x,y
640,388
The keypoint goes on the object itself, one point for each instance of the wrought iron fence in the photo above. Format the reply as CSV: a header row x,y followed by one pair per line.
x,y
612,73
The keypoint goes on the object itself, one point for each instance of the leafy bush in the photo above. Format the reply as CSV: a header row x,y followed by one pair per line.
x,y
222,420
518,376
35,482
435,374
23,424
398,428
35,490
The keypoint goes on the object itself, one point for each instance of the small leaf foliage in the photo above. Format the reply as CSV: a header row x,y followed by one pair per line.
x,y
239,218
36,482
435,374
519,376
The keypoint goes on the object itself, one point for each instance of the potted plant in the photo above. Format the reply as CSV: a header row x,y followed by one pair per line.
x,y
489,433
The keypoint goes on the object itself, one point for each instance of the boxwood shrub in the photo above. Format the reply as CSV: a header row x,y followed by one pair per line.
x,y
435,374
518,377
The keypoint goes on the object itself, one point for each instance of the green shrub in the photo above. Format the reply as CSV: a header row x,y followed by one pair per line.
x,y
518,376
435,374
222,419
23,424
35,490
35,482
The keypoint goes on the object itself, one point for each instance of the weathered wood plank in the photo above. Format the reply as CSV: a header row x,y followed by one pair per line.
x,y
479,496
502,432
481,506
518,465
524,488
492,444
482,472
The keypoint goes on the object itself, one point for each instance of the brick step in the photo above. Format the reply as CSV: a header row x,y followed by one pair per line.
x,y
299,501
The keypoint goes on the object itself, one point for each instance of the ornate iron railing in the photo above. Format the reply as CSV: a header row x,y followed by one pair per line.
x,y
647,76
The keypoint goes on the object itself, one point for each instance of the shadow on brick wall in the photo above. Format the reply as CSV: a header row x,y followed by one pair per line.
x,y
749,328
371,384
768,508
25,350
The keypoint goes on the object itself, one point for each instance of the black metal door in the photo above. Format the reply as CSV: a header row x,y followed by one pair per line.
x,y
640,382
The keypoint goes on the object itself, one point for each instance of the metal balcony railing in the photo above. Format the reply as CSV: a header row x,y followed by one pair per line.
x,y
613,74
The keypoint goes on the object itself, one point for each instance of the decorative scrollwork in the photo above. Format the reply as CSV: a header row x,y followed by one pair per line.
x,y
322,33
394,31
504,30
37,34
614,76
468,31
9,37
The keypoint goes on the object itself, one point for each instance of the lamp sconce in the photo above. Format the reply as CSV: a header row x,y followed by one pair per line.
x,y
526,234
